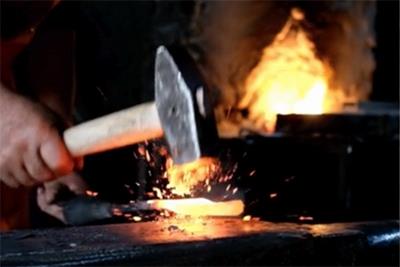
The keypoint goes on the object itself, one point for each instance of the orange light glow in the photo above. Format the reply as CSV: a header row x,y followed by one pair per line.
x,y
183,178
136,218
199,206
91,193
289,78
273,195
306,218
246,218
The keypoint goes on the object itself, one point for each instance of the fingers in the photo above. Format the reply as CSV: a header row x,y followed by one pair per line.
x,y
36,168
46,194
46,206
17,176
33,167
50,190
55,155
21,175
75,183
31,149
9,180
31,171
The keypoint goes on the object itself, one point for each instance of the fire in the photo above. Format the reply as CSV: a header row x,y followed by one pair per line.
x,y
289,78
183,178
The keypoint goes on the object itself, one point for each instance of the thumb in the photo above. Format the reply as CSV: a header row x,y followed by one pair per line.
x,y
55,154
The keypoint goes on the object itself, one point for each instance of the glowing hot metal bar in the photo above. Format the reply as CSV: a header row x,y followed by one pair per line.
x,y
199,206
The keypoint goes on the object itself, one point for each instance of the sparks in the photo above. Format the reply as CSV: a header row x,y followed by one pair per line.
x,y
148,158
306,218
183,178
158,192
117,212
91,193
137,218
246,218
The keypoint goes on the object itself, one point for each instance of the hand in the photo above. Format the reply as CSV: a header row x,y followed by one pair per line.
x,y
46,194
31,149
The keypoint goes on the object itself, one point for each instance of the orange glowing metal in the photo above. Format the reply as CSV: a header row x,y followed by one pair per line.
x,y
199,206
289,78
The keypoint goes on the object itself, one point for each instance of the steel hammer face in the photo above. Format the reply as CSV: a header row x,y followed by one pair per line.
x,y
183,106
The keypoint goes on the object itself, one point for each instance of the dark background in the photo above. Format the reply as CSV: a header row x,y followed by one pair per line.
x,y
386,76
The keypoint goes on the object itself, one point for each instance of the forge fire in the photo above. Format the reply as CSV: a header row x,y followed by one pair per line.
x,y
199,133
290,78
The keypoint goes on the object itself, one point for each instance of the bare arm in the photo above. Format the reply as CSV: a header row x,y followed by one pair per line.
x,y
31,149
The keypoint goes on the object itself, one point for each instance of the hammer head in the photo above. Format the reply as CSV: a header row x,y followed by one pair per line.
x,y
183,105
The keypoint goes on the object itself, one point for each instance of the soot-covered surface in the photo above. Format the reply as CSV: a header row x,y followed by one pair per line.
x,y
210,241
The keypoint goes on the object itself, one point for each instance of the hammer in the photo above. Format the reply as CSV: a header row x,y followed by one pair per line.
x,y
181,113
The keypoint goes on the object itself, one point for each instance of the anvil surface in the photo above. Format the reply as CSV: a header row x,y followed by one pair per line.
x,y
208,241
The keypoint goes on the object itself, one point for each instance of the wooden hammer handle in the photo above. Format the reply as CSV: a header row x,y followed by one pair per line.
x,y
122,128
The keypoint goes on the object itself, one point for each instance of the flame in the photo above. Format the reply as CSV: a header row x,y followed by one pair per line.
x,y
183,178
289,78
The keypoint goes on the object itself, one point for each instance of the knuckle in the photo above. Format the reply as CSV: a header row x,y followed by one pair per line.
x,y
25,180
46,175
40,173
56,156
